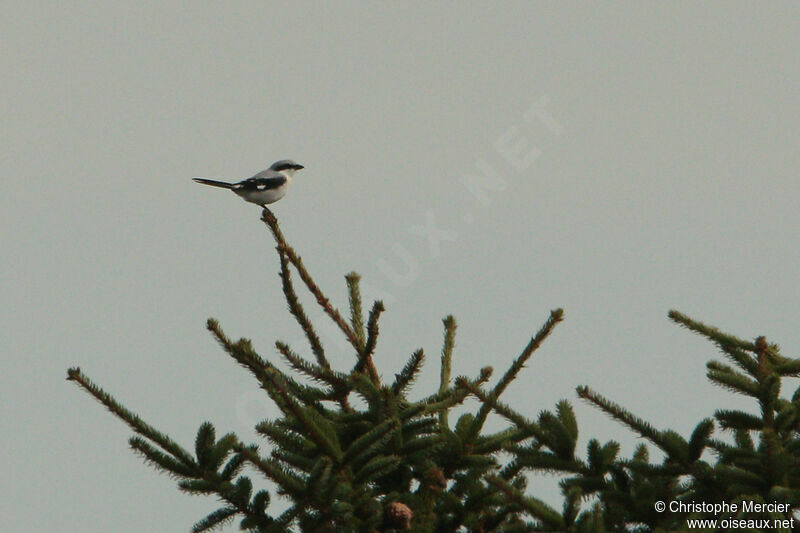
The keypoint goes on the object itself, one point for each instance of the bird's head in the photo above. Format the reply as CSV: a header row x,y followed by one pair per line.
x,y
286,166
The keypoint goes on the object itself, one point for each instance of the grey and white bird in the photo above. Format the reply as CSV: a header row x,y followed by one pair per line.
x,y
266,187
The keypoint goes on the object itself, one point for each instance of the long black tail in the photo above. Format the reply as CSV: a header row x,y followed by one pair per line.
x,y
213,183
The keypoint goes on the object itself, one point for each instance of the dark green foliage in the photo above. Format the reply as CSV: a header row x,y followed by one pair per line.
x,y
394,464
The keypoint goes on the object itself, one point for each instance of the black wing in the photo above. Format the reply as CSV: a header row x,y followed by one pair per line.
x,y
259,184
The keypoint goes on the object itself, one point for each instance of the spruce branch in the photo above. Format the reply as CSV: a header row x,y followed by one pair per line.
x,y
547,461
289,395
556,316
366,388
369,440
447,361
236,495
265,372
296,308
770,385
722,367
720,338
734,348
133,420
336,380
232,467
409,372
455,395
789,368
216,519
743,359
557,436
732,380
733,419
317,426
289,482
365,355
198,487
161,460
284,437
617,412
299,462
283,247
535,507
566,417
392,403
528,426
356,313
241,351
180,462
501,441
376,467
700,438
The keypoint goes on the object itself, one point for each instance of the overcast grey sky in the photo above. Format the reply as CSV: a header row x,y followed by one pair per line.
x,y
660,172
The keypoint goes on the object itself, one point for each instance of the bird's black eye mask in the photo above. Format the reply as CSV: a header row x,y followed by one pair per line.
x,y
287,166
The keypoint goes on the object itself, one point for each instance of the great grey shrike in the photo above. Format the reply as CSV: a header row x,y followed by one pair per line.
x,y
266,187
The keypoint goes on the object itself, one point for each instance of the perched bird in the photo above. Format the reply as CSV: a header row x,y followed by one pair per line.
x,y
266,187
